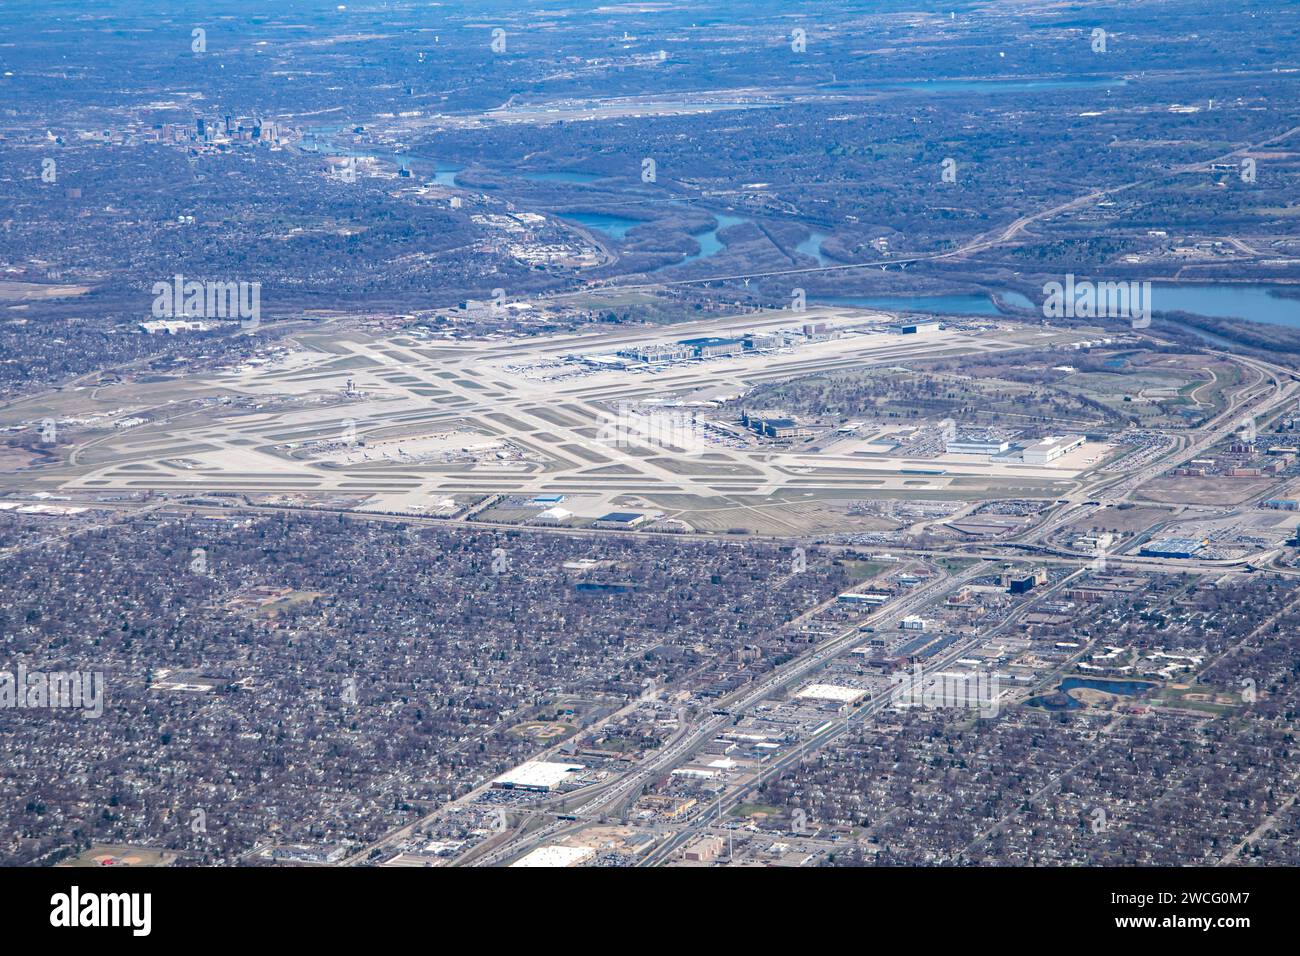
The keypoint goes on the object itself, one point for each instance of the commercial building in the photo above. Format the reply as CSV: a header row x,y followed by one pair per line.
x,y
864,598
1282,504
1021,582
837,693
705,850
670,808
554,516
1174,548
976,445
557,855
1050,448
763,340
298,853
784,428
1106,589
444,507
911,328
819,331
659,352
774,427
620,520
541,776
712,347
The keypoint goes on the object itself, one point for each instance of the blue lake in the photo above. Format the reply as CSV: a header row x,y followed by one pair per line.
x,y
709,242
1061,699
1251,301
1128,688
615,226
812,246
321,141
1018,300
618,226
446,175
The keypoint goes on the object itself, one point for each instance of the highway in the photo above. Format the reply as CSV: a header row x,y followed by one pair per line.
x,y
600,799
1274,387
735,796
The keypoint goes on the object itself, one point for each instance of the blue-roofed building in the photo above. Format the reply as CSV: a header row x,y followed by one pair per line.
x,y
1173,548
620,520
